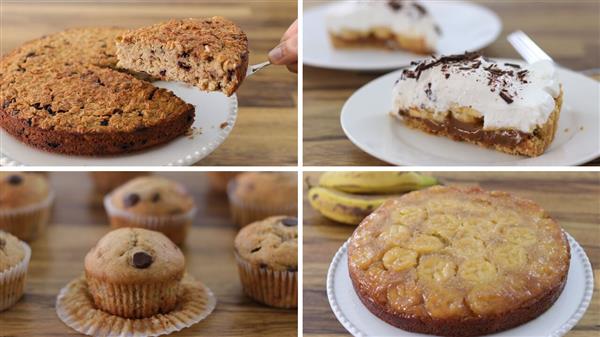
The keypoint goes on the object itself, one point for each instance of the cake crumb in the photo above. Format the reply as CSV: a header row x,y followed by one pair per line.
x,y
193,131
566,129
223,125
581,128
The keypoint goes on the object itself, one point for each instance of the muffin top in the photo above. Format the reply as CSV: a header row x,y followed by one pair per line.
x,y
265,189
12,251
132,255
18,189
152,195
272,243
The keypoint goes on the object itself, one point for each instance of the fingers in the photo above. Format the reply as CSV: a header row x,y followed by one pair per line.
x,y
286,53
291,31
293,68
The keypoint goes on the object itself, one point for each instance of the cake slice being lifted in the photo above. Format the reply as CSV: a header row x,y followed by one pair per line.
x,y
504,106
210,53
392,24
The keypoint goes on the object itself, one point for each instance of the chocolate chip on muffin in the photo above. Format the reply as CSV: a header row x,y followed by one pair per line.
x,y
152,202
267,255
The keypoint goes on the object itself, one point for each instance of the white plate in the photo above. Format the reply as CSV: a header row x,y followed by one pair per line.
x,y
465,27
366,121
555,322
212,110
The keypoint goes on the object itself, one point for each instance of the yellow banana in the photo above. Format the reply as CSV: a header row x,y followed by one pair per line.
x,y
376,182
344,207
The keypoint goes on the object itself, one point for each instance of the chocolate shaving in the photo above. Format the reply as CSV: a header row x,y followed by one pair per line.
x,y
512,65
395,5
420,8
506,97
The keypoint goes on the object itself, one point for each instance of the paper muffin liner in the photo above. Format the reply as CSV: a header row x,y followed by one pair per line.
x,y
75,307
12,281
27,222
133,300
244,213
271,287
175,227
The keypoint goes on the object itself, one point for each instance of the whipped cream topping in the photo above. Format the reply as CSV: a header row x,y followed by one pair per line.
x,y
507,96
406,17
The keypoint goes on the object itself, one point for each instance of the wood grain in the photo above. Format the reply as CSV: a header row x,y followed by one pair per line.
x,y
569,31
266,129
572,198
79,221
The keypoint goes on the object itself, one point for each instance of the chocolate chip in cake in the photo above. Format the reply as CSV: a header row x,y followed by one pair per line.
x,y
14,179
162,72
48,109
155,197
7,103
184,66
263,266
289,222
255,249
131,200
151,95
104,122
141,260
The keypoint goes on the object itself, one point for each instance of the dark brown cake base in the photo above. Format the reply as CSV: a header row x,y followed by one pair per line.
x,y
95,144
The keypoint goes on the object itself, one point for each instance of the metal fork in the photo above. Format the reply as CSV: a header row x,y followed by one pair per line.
x,y
528,49
257,67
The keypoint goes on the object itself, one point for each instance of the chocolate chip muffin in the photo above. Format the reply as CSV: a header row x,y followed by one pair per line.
x,y
218,180
154,203
256,195
210,53
267,256
134,273
25,203
106,181
14,260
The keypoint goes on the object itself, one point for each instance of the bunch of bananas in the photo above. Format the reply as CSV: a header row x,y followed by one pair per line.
x,y
348,197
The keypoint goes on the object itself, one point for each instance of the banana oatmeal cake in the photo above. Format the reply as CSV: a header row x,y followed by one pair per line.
x,y
62,93
210,53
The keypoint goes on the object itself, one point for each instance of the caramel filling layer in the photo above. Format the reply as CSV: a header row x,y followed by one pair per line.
x,y
473,131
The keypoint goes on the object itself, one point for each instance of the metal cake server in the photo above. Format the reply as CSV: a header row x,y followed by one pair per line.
x,y
528,49
257,67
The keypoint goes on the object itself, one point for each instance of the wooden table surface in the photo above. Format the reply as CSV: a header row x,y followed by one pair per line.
x,y
573,199
77,224
569,31
265,132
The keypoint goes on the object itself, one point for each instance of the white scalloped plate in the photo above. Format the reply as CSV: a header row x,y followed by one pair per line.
x,y
465,26
367,123
555,322
215,118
